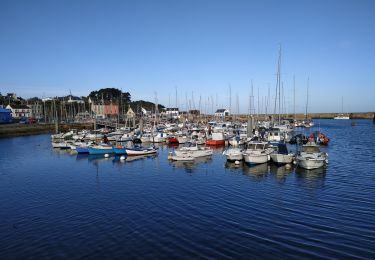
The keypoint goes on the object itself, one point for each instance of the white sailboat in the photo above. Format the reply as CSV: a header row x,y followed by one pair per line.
x,y
342,115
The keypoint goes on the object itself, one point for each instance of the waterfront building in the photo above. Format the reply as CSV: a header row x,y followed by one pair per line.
x,y
105,110
73,99
222,112
130,113
36,110
172,112
83,117
194,112
19,111
5,116
145,112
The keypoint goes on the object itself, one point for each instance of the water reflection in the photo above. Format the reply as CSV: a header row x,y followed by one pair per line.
x,y
281,172
314,178
190,165
233,165
259,171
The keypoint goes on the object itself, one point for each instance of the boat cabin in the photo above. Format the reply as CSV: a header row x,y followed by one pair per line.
x,y
310,149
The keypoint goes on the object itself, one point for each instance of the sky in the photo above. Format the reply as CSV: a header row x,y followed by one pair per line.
x,y
205,51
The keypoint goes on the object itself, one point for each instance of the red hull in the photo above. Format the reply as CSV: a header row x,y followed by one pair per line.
x,y
215,142
172,140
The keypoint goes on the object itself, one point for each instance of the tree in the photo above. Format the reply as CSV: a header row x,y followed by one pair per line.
x,y
110,94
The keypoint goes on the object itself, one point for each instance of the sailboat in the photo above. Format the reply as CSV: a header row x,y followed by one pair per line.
x,y
342,116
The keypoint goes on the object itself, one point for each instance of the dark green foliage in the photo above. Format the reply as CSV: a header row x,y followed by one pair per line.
x,y
110,94
149,106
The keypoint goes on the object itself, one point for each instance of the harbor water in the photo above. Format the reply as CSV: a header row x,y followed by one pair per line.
x,y
55,204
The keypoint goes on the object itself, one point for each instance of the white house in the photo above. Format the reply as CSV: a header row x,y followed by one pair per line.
x,y
222,112
172,112
73,99
19,111
36,110
145,112
130,113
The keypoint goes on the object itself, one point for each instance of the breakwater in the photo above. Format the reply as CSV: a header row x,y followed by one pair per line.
x,y
9,130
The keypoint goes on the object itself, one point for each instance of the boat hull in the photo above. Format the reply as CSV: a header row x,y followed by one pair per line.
x,y
119,150
234,157
282,158
310,163
255,158
132,152
82,149
100,150
215,142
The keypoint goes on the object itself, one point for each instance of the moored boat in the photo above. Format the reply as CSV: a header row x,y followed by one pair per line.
x,y
281,155
233,154
216,140
256,153
311,157
100,149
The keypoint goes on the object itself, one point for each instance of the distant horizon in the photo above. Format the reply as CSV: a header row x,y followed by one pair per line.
x,y
198,49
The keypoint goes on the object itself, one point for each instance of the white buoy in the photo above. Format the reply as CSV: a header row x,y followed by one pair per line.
x,y
288,166
122,157
106,155
237,162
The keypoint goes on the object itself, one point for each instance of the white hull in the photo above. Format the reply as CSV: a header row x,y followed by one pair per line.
x,y
341,117
194,152
141,152
183,158
234,157
252,158
310,163
233,154
282,158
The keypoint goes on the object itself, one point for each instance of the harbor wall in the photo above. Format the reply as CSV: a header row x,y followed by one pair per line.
x,y
9,130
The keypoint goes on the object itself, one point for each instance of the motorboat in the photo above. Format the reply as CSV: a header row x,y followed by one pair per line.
x,y
217,139
101,149
311,157
234,154
193,150
257,152
281,155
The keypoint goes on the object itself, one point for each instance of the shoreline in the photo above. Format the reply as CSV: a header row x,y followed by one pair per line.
x,y
16,129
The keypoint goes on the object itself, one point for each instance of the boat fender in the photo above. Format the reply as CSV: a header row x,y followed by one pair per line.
x,y
122,157
106,155
170,155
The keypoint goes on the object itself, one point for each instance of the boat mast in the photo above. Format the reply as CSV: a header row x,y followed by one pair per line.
x,y
294,97
307,96
342,104
278,85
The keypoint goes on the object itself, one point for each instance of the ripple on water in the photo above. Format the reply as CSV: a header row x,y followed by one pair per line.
x,y
56,204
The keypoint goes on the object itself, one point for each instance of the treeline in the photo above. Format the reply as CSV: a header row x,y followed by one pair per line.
x,y
106,95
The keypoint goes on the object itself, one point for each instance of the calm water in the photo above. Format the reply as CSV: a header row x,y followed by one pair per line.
x,y
57,205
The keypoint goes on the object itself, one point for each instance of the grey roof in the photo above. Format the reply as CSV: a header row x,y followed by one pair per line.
x,y
16,106
221,110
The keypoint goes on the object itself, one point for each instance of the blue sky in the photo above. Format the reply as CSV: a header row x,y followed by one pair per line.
x,y
49,48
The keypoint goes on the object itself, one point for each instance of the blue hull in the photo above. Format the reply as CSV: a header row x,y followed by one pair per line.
x,y
100,151
82,150
119,150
